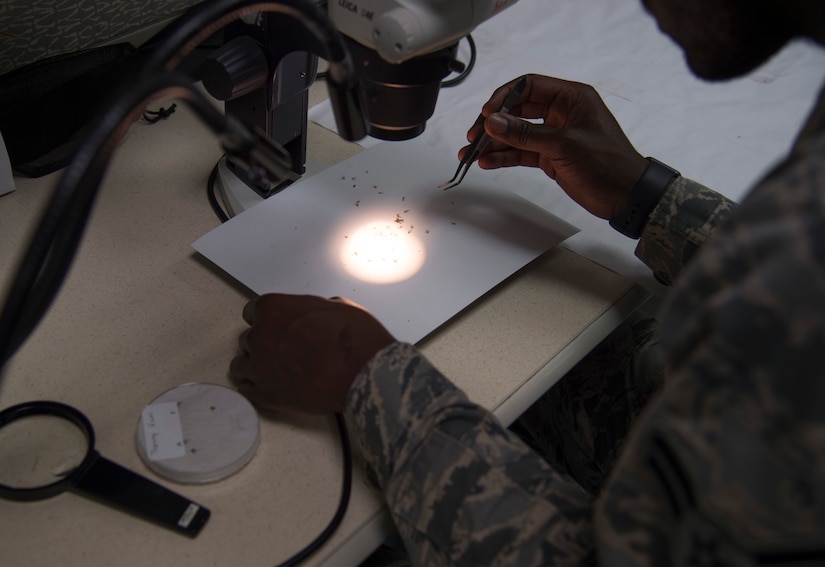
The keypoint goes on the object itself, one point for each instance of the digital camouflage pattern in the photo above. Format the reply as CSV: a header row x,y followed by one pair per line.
x,y
579,425
724,466
680,223
727,465
461,488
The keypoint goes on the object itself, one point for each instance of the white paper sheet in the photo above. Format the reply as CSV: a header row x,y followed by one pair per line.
x,y
723,135
457,244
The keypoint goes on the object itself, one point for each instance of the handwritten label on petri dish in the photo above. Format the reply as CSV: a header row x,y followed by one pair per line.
x,y
162,432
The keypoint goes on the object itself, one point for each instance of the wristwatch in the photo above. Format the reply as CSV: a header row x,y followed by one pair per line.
x,y
643,199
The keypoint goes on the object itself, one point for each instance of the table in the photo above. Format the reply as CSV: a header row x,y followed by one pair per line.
x,y
141,312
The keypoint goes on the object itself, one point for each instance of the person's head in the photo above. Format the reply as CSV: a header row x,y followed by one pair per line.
x,y
723,39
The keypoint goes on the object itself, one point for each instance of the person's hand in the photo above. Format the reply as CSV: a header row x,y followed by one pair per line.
x,y
579,143
302,353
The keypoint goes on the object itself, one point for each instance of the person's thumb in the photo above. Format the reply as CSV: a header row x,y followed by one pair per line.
x,y
515,132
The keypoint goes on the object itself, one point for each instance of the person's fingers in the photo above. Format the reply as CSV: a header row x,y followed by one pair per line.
x,y
243,343
249,311
243,376
247,389
239,368
278,307
346,301
522,134
499,95
476,129
510,157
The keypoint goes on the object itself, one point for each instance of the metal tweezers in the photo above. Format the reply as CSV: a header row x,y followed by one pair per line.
x,y
480,144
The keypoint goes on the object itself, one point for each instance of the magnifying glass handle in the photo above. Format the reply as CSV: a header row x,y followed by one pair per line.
x,y
117,486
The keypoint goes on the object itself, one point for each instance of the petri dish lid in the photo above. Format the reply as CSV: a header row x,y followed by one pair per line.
x,y
198,433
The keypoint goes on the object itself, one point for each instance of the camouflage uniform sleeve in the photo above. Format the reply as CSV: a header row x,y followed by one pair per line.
x,y
680,223
462,490
727,465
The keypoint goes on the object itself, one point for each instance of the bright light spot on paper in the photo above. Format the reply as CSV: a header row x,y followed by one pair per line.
x,y
383,252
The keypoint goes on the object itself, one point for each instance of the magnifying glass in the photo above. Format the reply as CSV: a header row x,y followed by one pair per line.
x,y
48,447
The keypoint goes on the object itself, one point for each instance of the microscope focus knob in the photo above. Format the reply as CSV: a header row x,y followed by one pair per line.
x,y
236,69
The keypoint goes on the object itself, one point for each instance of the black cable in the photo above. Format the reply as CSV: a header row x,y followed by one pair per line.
x,y
467,70
42,270
346,488
58,234
60,231
153,116
53,246
210,194
346,449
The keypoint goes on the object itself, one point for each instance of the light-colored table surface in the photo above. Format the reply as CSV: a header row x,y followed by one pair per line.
x,y
141,312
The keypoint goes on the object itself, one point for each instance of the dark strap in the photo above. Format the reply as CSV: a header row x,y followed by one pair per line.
x,y
643,199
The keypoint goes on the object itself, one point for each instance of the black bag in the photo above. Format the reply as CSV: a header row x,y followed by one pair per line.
x,y
47,107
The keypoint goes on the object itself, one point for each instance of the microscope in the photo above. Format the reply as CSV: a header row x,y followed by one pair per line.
x,y
401,51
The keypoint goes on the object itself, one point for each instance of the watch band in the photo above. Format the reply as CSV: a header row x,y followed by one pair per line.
x,y
643,199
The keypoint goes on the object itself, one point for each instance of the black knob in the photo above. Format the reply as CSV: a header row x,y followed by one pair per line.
x,y
236,69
